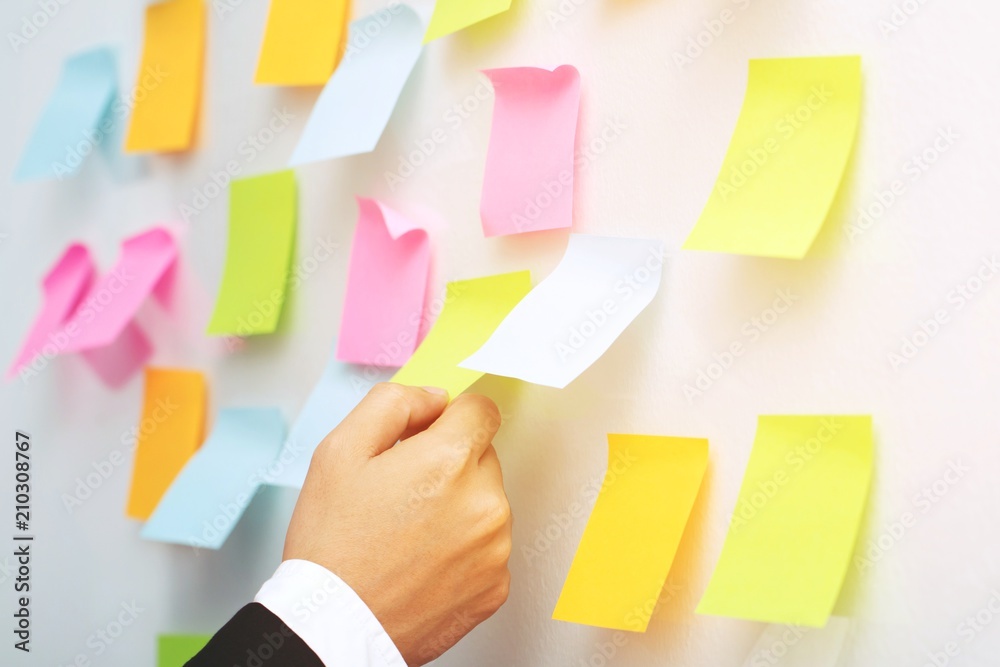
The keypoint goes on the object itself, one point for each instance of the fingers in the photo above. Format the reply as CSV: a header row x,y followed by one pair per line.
x,y
469,422
386,415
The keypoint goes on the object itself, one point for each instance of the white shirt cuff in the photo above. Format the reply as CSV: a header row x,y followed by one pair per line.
x,y
328,616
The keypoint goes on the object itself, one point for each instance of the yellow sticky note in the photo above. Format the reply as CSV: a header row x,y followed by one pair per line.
x,y
302,42
168,86
632,536
786,159
262,215
454,15
169,433
473,309
796,521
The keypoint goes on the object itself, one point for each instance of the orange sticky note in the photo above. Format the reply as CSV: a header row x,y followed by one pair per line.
x,y
168,86
633,533
170,432
303,42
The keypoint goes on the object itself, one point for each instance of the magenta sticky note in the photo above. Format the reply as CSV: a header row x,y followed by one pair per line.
x,y
386,288
106,311
63,287
528,184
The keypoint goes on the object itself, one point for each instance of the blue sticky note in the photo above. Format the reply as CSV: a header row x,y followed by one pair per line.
x,y
356,103
72,125
337,393
206,501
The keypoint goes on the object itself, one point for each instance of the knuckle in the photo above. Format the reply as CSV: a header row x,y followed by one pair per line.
x,y
501,591
390,392
485,406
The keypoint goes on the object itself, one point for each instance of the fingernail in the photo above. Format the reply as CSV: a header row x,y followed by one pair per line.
x,y
436,390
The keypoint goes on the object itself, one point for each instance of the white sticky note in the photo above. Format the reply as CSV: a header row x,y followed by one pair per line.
x,y
570,319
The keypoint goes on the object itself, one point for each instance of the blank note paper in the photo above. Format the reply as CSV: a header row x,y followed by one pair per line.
x,y
176,650
528,185
786,159
386,286
302,41
169,432
338,391
354,107
472,310
206,500
168,84
102,327
63,287
95,318
262,217
72,124
633,533
796,521
454,15
574,315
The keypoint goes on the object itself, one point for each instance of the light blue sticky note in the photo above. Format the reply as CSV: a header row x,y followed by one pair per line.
x,y
206,501
72,125
356,103
337,393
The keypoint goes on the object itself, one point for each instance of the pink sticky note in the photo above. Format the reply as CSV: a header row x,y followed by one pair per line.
x,y
386,287
112,302
528,185
63,287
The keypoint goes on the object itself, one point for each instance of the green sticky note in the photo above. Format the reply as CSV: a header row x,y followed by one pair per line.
x,y
262,214
786,158
473,309
796,521
175,650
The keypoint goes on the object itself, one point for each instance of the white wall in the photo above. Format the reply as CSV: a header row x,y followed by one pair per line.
x,y
858,299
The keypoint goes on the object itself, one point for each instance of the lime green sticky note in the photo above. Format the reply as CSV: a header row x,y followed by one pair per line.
x,y
175,650
262,213
796,521
473,309
786,158
634,531
454,15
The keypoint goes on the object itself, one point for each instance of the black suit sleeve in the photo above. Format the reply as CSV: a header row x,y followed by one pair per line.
x,y
255,637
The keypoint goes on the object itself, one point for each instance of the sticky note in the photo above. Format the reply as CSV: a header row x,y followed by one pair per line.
x,y
386,286
454,15
796,521
337,392
168,85
69,128
102,327
633,533
176,650
792,646
472,310
572,317
528,184
63,287
208,497
113,300
169,433
95,318
302,41
786,158
354,107
262,219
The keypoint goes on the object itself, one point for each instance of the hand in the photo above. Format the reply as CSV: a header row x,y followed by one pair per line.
x,y
404,501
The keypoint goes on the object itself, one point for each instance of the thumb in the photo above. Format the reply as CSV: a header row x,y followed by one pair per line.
x,y
389,413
